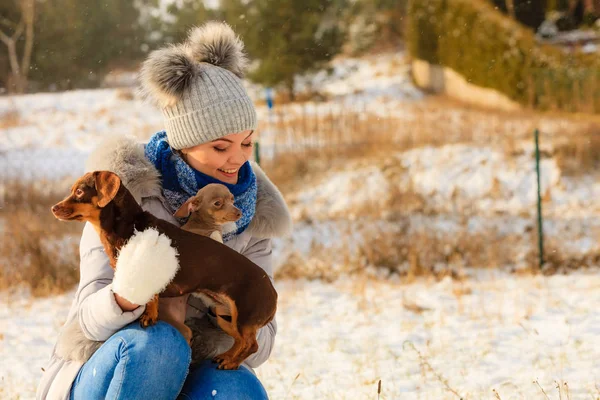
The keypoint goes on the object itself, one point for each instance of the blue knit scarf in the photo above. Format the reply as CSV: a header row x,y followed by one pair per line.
x,y
180,182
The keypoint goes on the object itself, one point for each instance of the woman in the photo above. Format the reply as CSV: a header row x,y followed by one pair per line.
x,y
210,122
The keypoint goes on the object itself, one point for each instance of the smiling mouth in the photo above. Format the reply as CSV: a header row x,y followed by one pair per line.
x,y
229,171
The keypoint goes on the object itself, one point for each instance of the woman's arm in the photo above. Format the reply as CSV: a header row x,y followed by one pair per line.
x,y
98,311
101,312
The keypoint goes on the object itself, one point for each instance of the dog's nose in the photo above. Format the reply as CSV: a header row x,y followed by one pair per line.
x,y
54,208
238,214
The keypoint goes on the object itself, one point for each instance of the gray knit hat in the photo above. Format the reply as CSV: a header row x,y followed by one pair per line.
x,y
198,86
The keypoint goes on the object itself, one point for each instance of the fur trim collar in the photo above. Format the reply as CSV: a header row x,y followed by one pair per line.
x,y
125,157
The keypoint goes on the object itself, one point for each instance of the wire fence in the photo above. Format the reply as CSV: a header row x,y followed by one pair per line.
x,y
318,128
571,90
499,181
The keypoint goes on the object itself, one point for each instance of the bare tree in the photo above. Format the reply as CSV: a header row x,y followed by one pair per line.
x,y
510,6
25,25
589,7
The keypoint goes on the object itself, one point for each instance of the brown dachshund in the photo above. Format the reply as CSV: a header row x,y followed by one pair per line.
x,y
205,265
211,208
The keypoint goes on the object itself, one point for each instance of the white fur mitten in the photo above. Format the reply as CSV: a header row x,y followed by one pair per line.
x,y
145,266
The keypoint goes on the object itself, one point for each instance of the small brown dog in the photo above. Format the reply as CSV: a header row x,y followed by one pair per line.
x,y
208,211
205,265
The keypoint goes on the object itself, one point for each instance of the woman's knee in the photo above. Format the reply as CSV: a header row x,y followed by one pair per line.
x,y
158,355
161,343
205,381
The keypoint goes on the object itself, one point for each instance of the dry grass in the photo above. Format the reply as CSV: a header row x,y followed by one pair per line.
x,y
289,168
427,367
125,94
292,169
579,154
36,250
417,249
10,119
414,252
556,262
283,97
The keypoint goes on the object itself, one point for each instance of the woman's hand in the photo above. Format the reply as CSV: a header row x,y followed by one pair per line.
x,y
125,305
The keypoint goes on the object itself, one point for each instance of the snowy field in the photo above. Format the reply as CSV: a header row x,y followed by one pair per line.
x,y
490,335
423,340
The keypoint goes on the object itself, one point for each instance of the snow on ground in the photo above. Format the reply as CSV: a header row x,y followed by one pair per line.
x,y
56,132
491,332
28,330
337,340
491,181
486,179
381,75
491,190
342,194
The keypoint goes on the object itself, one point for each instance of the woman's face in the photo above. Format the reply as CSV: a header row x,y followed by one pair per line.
x,y
222,158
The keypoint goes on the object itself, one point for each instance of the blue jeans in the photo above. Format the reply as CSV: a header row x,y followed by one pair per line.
x,y
153,363
206,382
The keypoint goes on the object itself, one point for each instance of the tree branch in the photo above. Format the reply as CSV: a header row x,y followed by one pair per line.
x,y
19,30
5,38
7,22
510,5
29,15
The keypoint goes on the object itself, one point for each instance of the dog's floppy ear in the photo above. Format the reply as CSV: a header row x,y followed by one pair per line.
x,y
107,186
188,207
184,210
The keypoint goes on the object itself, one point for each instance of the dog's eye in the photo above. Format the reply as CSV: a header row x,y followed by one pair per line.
x,y
79,193
217,203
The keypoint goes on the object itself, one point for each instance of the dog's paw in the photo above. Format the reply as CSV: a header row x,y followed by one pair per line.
x,y
228,365
226,362
146,321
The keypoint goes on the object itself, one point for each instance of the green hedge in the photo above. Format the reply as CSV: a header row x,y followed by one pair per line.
x,y
491,50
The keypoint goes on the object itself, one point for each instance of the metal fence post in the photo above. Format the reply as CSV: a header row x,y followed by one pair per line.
x,y
257,152
539,199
